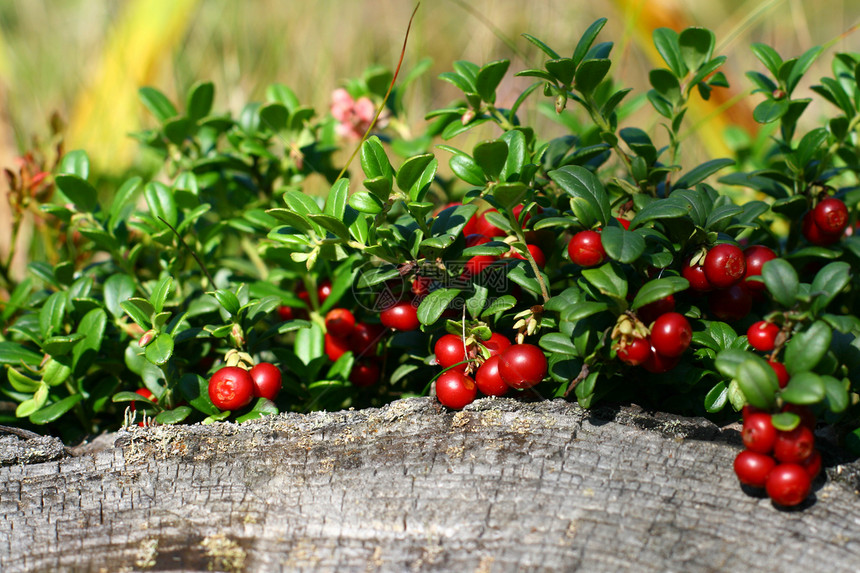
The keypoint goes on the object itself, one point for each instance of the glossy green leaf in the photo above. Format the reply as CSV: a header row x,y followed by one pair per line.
x,y
671,208
666,84
200,98
435,303
590,73
517,154
374,160
488,79
412,171
785,421
667,43
52,314
160,292
579,182
53,412
657,289
173,416
768,56
157,103
543,47
586,40
558,343
124,202
806,348
160,350
75,162
93,326
781,281
757,381
804,388
770,110
467,169
14,354
835,394
364,202
828,283
491,157
608,280
274,116
79,191
701,172
621,245
697,45
338,198
228,300
195,389
161,203
717,397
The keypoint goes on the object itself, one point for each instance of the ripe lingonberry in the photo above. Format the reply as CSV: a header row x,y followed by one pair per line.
x,y
455,390
724,265
484,227
400,316
657,363
635,352
650,312
813,232
339,322
536,253
831,216
756,256
231,388
586,249
522,365
489,380
267,380
752,468
782,375
364,373
364,339
671,334
762,335
812,465
496,344
758,433
788,484
695,274
449,350
795,445
730,304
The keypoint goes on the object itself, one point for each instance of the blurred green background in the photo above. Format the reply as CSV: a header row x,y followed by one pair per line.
x,y
84,60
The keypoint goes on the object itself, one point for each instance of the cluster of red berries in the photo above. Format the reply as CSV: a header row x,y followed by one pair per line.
x,y
825,224
660,350
502,366
343,334
723,275
762,336
783,462
233,387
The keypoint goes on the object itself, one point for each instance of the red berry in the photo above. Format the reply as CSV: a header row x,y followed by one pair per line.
x,y
782,375
477,264
731,304
488,379
812,465
267,380
756,256
788,484
794,445
400,316
695,274
651,311
339,322
813,232
752,468
449,350
831,216
522,365
335,347
659,364
724,265
286,312
474,240
146,394
586,249
634,353
671,334
364,373
496,344
323,290
519,209
364,339
231,388
536,253
758,433
762,335
625,223
421,286
455,390
484,227
748,410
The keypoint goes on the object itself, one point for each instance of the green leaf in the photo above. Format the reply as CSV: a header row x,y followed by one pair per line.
x,y
579,182
338,197
757,381
508,195
199,103
489,77
835,394
435,303
491,157
586,40
697,45
195,389
467,169
61,345
590,73
667,43
173,416
558,343
666,84
228,300
309,343
701,172
53,412
608,280
157,103
53,313
801,67
671,208
124,202
412,170
728,362
79,191
768,56
274,116
804,388
621,245
364,202
543,47
806,349
561,70
14,354
657,289
56,371
785,421
331,224
717,397
160,350
829,282
160,292
374,160
770,110
781,281
517,154
161,203
75,162
93,327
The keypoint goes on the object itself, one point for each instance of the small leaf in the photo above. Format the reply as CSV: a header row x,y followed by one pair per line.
x,y
781,281
491,157
558,343
806,349
228,300
79,191
195,389
804,388
434,304
770,110
412,170
828,283
590,73
579,182
543,47
621,245
374,160
586,40
338,197
701,172
667,43
75,162
364,202
717,397
162,205
160,292
14,354
697,45
200,98
607,279
658,289
757,381
467,169
157,103
160,350
785,421
52,314
53,412
488,79
835,394
174,416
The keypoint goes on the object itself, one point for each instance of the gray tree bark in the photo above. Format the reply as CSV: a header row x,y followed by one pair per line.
x,y
501,486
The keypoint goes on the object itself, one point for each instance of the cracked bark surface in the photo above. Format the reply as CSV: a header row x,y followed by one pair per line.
x,y
501,486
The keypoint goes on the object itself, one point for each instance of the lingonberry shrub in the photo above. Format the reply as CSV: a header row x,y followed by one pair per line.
x,y
569,245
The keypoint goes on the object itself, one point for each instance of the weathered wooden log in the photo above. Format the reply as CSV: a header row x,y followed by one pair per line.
x,y
502,486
